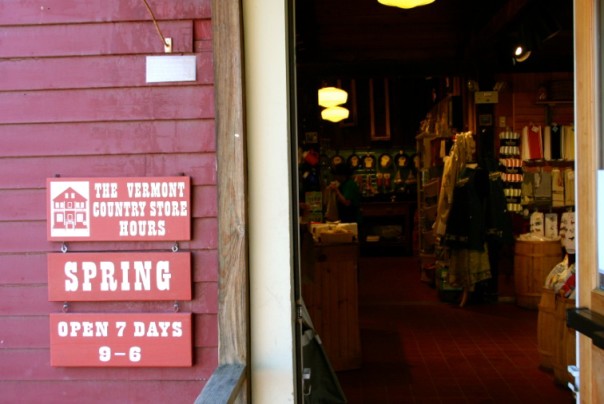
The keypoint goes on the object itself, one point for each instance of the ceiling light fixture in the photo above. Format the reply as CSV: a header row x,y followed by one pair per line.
x,y
335,114
332,96
521,53
405,3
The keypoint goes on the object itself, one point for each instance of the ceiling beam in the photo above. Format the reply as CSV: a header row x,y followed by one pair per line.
x,y
497,24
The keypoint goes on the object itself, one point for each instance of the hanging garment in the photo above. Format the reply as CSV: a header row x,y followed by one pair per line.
x,y
542,187
569,187
468,267
537,223
445,196
556,139
524,146
547,143
466,226
443,149
532,144
527,197
568,142
557,188
461,152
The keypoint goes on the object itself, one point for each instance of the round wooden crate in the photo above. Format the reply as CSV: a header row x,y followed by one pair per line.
x,y
546,329
564,348
533,261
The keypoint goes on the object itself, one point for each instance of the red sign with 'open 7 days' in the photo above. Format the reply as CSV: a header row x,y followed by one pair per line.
x,y
121,339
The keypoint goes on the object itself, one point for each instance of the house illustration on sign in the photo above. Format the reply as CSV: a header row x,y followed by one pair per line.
x,y
70,210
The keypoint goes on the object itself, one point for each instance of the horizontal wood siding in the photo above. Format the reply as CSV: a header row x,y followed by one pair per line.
x,y
107,104
74,102
140,137
33,12
73,73
26,172
94,39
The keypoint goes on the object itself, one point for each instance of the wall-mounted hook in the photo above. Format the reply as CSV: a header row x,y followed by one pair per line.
x,y
168,45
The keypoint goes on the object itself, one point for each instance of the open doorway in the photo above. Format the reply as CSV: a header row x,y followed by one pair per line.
x,y
400,69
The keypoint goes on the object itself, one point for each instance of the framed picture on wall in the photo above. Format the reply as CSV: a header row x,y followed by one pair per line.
x,y
485,120
379,109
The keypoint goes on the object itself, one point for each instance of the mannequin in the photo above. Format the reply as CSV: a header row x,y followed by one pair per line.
x,y
466,231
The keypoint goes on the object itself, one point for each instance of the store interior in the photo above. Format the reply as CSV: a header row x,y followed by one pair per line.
x,y
436,99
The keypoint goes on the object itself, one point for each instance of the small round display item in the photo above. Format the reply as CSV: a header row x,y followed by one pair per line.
x,y
401,159
354,161
385,161
336,160
369,162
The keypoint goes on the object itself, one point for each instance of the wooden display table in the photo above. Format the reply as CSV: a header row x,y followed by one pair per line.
x,y
330,292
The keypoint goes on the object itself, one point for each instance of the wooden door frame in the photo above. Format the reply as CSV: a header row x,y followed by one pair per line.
x,y
230,381
254,194
587,111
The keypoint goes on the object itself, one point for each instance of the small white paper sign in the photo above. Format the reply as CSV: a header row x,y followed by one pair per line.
x,y
170,68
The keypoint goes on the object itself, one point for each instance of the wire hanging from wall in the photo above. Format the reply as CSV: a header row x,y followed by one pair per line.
x,y
166,41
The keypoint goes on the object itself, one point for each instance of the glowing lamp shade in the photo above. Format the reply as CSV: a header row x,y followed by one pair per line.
x,y
335,114
405,3
332,96
521,53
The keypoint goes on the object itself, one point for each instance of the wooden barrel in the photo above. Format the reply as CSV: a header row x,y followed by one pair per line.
x,y
564,349
546,329
533,261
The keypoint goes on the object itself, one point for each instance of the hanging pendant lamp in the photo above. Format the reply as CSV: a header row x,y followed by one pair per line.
x,y
335,114
521,53
332,96
405,3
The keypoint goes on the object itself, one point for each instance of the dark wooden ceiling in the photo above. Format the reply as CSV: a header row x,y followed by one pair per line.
x,y
446,37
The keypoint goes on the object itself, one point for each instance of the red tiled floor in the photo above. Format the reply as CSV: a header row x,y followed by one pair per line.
x,y
417,349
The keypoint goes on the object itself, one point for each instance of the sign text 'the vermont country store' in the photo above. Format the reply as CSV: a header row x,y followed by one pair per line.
x,y
119,209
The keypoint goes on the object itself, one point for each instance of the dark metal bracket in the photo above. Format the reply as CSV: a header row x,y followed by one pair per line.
x,y
588,323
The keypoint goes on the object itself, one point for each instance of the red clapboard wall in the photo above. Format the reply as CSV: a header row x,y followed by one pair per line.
x,y
74,103
518,101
